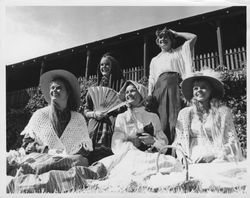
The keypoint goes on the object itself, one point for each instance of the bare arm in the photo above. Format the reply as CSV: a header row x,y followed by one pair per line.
x,y
187,36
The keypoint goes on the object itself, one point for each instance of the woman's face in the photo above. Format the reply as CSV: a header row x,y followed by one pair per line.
x,y
105,66
202,90
164,42
58,91
132,95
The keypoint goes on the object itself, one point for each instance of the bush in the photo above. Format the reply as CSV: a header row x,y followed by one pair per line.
x,y
16,121
235,98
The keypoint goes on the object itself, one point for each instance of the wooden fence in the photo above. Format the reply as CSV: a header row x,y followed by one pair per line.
x,y
234,59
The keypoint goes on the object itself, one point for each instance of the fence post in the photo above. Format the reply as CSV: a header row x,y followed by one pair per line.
x,y
145,55
87,64
219,42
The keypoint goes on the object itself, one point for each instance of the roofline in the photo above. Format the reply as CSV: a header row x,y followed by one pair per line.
x,y
209,16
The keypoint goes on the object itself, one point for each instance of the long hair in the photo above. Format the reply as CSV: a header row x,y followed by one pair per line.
x,y
116,77
54,113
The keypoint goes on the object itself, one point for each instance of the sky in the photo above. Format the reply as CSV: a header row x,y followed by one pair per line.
x,y
32,31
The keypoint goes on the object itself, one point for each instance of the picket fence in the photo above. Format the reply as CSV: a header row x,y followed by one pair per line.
x,y
234,59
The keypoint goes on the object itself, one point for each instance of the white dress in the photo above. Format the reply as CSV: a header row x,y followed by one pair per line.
x,y
130,162
196,137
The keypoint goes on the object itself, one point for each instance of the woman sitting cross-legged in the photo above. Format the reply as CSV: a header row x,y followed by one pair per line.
x,y
55,140
137,138
205,131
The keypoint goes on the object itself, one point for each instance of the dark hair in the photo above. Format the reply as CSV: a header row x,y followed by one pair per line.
x,y
116,77
166,33
71,104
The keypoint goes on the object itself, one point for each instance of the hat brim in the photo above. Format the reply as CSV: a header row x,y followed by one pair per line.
x,y
141,89
187,86
47,77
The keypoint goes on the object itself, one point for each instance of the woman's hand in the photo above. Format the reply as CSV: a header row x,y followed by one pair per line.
x,y
205,158
135,140
99,115
147,139
174,32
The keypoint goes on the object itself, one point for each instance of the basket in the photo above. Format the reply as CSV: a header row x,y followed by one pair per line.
x,y
184,157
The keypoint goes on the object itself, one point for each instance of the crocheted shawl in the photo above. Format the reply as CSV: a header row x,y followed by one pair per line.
x,y
227,130
74,137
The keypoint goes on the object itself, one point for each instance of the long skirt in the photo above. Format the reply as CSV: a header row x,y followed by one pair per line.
x,y
100,132
45,173
167,93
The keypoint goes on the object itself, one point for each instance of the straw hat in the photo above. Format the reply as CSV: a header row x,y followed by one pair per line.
x,y
143,91
47,77
210,75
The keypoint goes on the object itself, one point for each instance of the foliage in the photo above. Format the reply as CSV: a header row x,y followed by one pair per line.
x,y
37,101
235,98
84,85
16,121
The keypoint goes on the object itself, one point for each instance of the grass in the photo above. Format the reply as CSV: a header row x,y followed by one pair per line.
x,y
191,186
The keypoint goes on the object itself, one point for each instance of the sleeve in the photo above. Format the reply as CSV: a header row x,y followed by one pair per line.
x,y
161,139
151,78
230,139
85,139
186,67
119,139
89,103
181,141
33,127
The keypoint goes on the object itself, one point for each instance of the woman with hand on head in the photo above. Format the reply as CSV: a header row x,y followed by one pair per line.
x,y
165,71
100,123
205,131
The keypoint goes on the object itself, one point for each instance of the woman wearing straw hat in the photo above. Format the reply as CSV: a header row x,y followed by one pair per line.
x,y
165,71
137,138
56,142
205,130
58,126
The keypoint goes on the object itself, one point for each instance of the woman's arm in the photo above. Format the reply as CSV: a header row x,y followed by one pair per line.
x,y
89,110
161,139
187,36
151,78
120,140
230,140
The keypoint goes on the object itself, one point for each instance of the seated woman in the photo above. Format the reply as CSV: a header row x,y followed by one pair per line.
x,y
137,135
100,124
205,130
56,138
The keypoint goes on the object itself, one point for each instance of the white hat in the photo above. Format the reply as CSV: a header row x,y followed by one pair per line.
x,y
140,88
47,77
210,75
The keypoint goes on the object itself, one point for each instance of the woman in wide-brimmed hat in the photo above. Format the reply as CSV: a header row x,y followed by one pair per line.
x,y
56,141
58,126
166,70
205,130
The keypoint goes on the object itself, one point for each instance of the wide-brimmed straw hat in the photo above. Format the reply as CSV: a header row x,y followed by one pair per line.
x,y
143,91
47,77
213,77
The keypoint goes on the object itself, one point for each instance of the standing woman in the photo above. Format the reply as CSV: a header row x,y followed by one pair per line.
x,y
165,71
100,124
